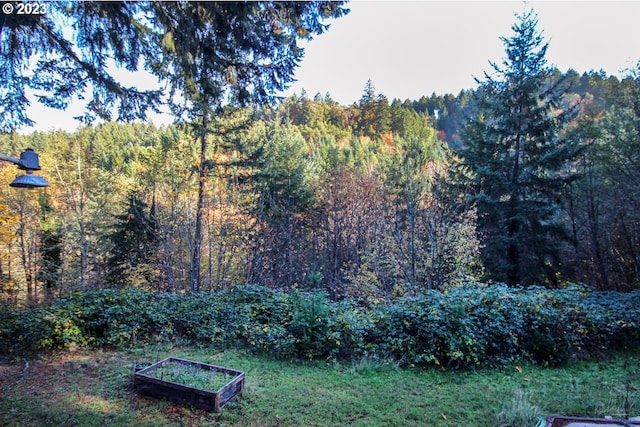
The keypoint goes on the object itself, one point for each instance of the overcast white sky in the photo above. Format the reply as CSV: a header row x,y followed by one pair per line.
x,y
413,48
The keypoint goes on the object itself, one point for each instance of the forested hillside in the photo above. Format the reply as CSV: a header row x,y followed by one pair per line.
x,y
358,200
530,179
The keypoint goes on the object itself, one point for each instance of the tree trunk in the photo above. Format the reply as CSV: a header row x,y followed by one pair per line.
x,y
412,245
513,227
26,264
196,258
594,234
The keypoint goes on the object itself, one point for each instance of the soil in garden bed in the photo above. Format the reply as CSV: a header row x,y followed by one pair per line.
x,y
191,375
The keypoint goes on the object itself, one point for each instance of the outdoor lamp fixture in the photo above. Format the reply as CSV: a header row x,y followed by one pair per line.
x,y
28,162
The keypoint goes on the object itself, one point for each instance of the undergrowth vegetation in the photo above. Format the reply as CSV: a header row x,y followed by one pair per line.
x,y
467,327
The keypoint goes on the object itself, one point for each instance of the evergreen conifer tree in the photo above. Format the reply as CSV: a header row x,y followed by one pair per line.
x,y
217,56
515,153
134,242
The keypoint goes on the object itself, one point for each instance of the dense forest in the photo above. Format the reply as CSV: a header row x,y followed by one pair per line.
x,y
365,200
529,179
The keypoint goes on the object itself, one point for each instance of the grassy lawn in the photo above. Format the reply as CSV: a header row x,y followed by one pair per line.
x,y
94,388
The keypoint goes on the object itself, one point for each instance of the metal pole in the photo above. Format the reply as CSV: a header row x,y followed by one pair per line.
x,y
10,159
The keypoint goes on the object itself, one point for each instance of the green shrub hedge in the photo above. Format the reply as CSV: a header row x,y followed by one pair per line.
x,y
471,326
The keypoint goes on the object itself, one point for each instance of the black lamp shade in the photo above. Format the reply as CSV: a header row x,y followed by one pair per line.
x,y
29,181
29,160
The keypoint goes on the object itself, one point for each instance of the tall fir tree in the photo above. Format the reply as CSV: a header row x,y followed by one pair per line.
x,y
516,153
134,243
50,248
218,56
375,113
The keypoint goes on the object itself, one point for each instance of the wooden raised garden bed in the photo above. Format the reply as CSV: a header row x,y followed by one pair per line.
x,y
187,382
560,421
